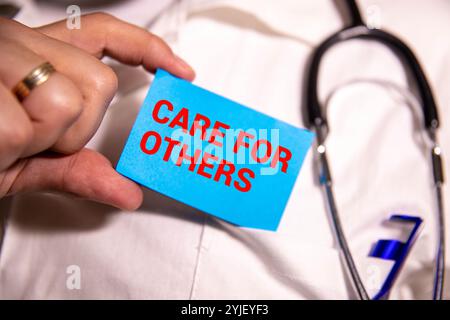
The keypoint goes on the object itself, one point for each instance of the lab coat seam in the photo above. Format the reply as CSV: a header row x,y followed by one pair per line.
x,y
200,249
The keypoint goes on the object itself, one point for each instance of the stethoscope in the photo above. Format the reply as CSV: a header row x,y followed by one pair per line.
x,y
316,120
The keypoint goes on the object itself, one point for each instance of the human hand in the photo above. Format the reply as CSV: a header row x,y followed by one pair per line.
x,y
42,138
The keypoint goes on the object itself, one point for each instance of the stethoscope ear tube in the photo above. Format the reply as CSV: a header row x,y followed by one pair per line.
x,y
313,107
438,175
436,160
326,182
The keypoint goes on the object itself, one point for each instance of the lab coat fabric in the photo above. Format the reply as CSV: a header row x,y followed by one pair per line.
x,y
254,52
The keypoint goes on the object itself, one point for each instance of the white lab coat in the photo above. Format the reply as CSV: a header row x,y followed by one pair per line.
x,y
254,52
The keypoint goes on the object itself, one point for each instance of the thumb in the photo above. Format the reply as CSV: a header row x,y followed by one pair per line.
x,y
86,173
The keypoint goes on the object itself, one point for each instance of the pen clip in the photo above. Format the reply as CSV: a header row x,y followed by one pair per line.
x,y
395,250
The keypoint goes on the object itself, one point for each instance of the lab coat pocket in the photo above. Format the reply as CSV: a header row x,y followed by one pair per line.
x,y
239,263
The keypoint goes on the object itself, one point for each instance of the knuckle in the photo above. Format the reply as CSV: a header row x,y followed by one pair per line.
x,y
66,101
105,80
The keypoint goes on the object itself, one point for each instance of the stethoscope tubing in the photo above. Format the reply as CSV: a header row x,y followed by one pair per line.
x,y
318,122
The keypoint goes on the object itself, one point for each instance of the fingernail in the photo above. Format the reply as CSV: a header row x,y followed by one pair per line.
x,y
184,64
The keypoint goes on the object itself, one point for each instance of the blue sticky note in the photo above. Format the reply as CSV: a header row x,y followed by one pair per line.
x,y
214,154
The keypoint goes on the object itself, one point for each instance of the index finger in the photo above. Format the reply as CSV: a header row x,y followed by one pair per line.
x,y
102,34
